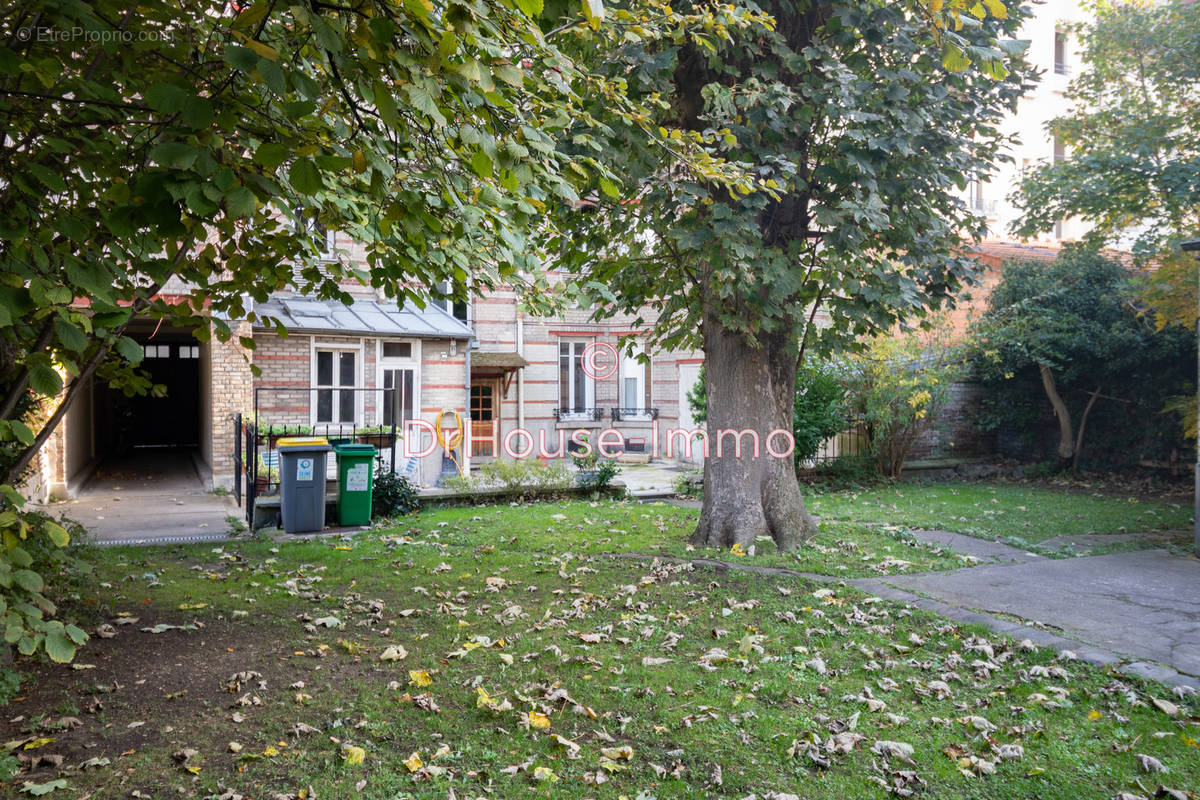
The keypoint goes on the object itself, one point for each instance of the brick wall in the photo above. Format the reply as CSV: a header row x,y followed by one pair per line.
x,y
230,394
955,432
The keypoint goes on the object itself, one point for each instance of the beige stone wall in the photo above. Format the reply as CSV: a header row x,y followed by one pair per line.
x,y
230,380
495,320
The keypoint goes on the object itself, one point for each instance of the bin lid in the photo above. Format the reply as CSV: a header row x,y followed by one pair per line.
x,y
349,449
313,442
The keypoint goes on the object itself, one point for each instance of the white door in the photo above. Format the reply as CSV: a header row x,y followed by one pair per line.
x,y
688,375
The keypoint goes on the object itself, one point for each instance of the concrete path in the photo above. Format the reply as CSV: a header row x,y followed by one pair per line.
x,y
156,497
1140,606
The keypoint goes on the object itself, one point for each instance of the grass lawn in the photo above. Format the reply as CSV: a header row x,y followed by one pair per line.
x,y
1000,511
498,652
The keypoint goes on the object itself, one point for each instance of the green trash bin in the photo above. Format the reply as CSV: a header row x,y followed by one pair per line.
x,y
355,482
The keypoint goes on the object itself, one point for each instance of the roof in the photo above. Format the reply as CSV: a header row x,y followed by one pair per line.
x,y
301,314
481,359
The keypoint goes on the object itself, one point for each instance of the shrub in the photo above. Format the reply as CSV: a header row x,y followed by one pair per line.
x,y
35,547
392,495
898,384
599,476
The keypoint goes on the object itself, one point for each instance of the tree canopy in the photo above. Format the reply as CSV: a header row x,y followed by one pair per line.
x,y
1073,330
854,137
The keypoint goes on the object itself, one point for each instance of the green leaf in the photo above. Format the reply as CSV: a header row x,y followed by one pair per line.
x,y
610,188
481,164
59,647
240,203
305,177
70,336
75,634
28,580
22,431
57,533
166,97
385,104
531,8
44,380
130,350
19,556
271,154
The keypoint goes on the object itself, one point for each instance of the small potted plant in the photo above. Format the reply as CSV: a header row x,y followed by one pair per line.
x,y
265,476
377,435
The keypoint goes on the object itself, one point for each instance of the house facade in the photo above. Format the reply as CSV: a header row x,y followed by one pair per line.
x,y
460,384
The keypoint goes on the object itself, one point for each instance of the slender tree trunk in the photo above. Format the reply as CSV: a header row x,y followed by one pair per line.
x,y
749,389
1082,426
1066,438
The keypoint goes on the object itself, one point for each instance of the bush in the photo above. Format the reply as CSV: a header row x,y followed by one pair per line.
x,y
35,547
595,473
897,385
392,495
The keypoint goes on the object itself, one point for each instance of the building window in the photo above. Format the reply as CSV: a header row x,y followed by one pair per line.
x,y
1058,229
398,350
459,309
1061,67
156,350
335,369
398,376
635,385
189,351
576,388
975,195
398,385
324,239
1060,150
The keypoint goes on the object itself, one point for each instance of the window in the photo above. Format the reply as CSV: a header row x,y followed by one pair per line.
x,y
398,377
576,388
975,195
459,309
1060,150
1061,67
397,349
398,397
156,350
189,351
1058,229
635,385
324,239
336,368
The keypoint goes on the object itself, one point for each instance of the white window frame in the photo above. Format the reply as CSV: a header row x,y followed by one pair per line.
x,y
645,379
335,347
329,253
589,386
382,363
447,303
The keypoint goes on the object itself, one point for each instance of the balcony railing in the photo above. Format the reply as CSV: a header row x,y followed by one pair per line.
x,y
1061,68
630,414
562,414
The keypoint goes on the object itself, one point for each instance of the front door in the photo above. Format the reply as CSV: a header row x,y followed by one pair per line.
x,y
485,418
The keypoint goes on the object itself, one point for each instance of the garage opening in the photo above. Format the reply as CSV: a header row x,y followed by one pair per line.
x,y
148,440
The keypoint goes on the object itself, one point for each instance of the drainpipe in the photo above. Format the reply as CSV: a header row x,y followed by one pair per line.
x,y
465,445
521,372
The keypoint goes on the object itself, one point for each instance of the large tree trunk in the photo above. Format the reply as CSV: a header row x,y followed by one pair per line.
x,y
1066,438
749,389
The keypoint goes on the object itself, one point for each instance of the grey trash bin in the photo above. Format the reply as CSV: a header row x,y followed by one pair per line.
x,y
302,482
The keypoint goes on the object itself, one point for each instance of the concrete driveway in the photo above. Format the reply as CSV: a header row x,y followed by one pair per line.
x,y
1142,605
155,497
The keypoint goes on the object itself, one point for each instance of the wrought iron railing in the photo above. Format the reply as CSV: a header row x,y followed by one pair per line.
x,y
627,414
562,414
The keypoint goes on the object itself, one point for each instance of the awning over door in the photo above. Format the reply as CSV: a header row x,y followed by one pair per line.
x,y
501,365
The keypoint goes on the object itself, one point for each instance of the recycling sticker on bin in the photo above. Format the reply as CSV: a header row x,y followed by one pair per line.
x,y
304,469
357,478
